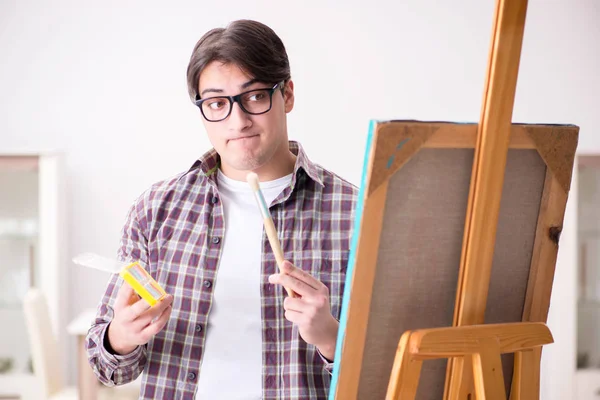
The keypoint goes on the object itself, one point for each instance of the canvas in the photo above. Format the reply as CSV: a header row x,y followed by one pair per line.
x,y
403,271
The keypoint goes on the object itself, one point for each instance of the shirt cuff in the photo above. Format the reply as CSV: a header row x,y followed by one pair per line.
x,y
328,364
113,360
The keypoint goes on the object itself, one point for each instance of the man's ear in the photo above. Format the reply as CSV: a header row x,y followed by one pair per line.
x,y
288,96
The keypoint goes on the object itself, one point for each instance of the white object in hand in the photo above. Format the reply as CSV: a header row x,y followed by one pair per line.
x,y
101,263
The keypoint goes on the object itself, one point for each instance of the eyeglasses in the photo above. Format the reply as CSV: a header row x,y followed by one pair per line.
x,y
254,102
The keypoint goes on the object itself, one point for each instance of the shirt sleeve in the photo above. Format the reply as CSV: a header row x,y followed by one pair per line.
x,y
328,364
113,369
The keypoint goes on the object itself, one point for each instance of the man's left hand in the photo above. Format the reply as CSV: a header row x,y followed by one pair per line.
x,y
310,310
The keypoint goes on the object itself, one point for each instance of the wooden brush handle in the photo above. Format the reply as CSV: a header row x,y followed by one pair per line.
x,y
276,246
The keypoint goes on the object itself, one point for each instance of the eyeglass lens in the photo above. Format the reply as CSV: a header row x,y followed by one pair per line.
x,y
253,102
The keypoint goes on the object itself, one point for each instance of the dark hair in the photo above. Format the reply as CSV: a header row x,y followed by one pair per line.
x,y
251,45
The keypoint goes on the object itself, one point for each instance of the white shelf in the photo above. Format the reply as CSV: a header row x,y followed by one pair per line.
x,y
19,384
12,236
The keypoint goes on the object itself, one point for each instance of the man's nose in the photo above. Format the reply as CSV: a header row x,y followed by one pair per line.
x,y
239,119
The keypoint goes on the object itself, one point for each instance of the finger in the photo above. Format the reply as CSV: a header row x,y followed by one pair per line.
x,y
153,312
158,324
137,309
123,296
133,298
301,275
296,285
294,317
167,310
294,304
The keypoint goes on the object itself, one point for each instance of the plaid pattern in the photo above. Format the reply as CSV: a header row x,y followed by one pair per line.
x,y
175,228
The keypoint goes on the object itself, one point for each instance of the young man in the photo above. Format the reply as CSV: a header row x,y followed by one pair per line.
x,y
228,330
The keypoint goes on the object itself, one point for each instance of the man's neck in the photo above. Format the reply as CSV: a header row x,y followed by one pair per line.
x,y
279,166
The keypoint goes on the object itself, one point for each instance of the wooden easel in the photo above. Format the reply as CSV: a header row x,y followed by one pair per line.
x,y
392,295
480,347
474,349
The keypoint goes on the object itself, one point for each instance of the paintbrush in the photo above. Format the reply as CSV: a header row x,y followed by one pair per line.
x,y
252,179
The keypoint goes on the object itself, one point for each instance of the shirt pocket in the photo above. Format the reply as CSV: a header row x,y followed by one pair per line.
x,y
180,255
329,267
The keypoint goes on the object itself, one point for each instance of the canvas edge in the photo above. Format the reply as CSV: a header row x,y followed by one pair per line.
x,y
351,261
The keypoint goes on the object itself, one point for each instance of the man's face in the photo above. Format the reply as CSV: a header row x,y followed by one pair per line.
x,y
245,142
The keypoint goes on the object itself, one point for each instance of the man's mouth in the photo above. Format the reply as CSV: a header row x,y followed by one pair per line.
x,y
241,138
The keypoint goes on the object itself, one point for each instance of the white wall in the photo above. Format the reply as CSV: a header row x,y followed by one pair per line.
x,y
105,82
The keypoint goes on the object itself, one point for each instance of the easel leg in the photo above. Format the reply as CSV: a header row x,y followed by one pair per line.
x,y
487,373
526,376
461,388
404,379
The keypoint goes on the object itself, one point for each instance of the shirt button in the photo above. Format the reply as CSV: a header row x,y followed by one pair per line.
x,y
215,240
207,284
214,200
191,376
198,328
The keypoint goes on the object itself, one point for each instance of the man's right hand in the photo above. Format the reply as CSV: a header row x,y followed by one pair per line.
x,y
133,323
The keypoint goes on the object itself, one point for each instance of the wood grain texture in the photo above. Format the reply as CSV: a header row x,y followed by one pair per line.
x,y
360,296
458,341
456,136
545,250
404,379
526,382
487,372
490,164
488,169
401,140
482,345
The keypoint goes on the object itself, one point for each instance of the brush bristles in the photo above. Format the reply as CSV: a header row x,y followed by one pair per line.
x,y
252,180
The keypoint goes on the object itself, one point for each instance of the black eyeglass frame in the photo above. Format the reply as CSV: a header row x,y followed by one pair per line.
x,y
238,99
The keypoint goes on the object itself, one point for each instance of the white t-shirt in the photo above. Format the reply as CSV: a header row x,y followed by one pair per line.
x,y
231,365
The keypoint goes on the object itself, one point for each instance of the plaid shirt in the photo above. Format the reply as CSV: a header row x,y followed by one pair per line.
x,y
175,229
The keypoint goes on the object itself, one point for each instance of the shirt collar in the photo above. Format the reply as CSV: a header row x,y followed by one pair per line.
x,y
210,161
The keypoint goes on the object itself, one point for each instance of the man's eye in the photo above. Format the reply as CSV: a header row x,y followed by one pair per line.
x,y
216,104
257,96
